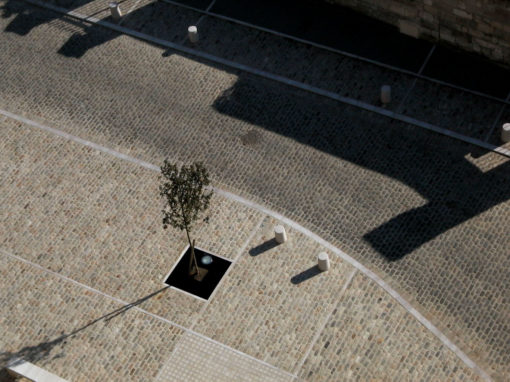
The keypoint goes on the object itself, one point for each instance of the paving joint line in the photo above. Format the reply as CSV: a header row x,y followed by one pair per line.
x,y
280,79
175,350
177,346
413,84
155,316
338,252
326,320
210,5
334,50
240,252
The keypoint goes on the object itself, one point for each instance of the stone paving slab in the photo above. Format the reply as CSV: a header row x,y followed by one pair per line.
x,y
105,215
272,303
361,181
369,337
98,9
196,359
274,298
469,71
75,333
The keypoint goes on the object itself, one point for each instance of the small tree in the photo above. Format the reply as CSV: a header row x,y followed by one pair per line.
x,y
185,192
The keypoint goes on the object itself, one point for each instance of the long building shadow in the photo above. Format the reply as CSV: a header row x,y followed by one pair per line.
x,y
79,43
28,17
452,197
456,191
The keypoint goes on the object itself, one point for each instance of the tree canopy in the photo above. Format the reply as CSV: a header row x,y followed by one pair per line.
x,y
186,194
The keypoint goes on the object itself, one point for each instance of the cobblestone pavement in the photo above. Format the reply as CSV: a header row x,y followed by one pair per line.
x,y
429,214
355,343
277,316
456,110
197,360
273,304
65,329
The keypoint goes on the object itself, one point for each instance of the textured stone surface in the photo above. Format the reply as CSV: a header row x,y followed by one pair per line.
x,y
272,304
438,207
75,333
199,360
369,337
495,137
304,63
274,299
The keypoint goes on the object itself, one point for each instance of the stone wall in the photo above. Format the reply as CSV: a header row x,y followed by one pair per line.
x,y
481,26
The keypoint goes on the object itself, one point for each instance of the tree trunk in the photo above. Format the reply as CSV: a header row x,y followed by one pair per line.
x,y
195,259
192,258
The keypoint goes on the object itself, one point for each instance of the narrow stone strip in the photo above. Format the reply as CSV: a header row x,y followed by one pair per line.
x,y
209,7
413,84
126,304
323,325
289,222
277,78
335,50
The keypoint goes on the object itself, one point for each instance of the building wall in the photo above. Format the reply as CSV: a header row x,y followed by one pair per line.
x,y
481,26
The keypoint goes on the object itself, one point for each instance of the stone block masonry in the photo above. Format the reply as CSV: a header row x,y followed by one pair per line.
x,y
478,26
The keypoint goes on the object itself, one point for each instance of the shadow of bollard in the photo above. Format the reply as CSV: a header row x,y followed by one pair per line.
x,y
305,275
265,246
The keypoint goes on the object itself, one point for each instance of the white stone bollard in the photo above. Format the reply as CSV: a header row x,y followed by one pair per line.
x,y
193,34
115,10
505,132
386,94
279,234
323,261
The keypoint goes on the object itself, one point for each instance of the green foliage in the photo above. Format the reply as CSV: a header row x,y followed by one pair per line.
x,y
186,194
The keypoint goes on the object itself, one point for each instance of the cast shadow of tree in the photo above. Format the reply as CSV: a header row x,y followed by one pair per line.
x,y
43,350
28,18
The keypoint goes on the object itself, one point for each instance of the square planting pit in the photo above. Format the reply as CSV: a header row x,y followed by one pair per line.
x,y
214,267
